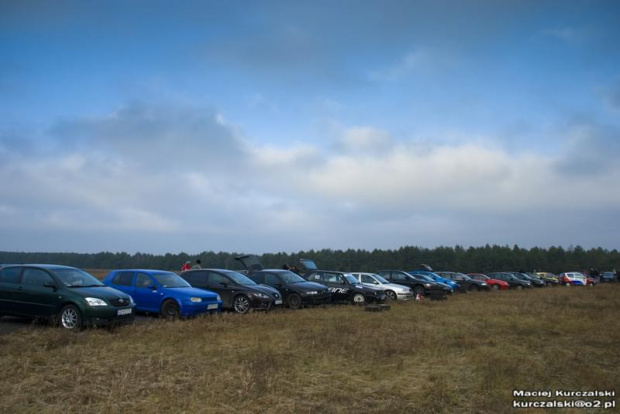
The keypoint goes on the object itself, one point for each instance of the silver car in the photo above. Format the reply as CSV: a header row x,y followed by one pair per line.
x,y
392,291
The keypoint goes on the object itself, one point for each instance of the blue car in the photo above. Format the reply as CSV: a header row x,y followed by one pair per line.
x,y
437,278
163,292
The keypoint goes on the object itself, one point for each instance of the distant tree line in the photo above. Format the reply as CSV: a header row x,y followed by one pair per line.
x,y
472,259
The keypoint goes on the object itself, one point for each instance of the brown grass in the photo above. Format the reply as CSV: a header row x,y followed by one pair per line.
x,y
464,355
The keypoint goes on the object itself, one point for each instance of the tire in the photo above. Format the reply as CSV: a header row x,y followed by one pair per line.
x,y
170,310
241,304
418,290
390,295
495,287
567,284
519,287
474,288
358,299
70,318
293,301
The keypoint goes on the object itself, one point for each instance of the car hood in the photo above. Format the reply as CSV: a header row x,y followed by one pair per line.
x,y
190,291
264,289
102,292
307,286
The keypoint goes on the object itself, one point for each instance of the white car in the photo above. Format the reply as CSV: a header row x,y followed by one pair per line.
x,y
392,291
573,279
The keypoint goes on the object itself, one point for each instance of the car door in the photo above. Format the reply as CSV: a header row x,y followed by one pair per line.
x,y
223,286
123,281
337,285
10,278
36,294
147,291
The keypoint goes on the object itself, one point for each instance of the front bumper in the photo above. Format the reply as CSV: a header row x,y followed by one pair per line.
x,y
109,315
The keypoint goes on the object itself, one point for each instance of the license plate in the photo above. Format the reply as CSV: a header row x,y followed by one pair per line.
x,y
278,301
121,312
212,306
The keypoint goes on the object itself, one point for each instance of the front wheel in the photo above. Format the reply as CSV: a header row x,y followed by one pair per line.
x,y
495,287
241,304
519,287
390,295
70,318
294,301
474,288
170,310
358,299
418,290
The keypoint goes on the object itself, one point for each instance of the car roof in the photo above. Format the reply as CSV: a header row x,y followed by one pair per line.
x,y
41,265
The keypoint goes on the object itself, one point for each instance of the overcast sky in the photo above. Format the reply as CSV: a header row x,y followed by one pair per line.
x,y
267,126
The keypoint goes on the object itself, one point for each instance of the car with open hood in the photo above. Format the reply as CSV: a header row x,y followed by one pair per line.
x,y
393,291
343,286
163,292
239,293
66,295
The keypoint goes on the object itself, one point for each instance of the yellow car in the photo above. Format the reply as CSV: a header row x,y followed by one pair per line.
x,y
550,278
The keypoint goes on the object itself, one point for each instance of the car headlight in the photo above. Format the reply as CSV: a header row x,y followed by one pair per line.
x,y
427,285
312,292
96,302
195,299
219,299
483,283
261,295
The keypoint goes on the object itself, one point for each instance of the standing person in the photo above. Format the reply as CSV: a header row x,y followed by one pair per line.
x,y
198,265
617,275
186,266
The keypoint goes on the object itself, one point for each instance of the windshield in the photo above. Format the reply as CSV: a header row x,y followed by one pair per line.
x,y
423,277
76,278
352,279
290,277
463,275
381,279
240,279
170,280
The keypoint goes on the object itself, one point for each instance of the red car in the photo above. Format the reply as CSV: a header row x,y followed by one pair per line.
x,y
494,284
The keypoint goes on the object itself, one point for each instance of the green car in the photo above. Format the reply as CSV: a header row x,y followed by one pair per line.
x,y
67,296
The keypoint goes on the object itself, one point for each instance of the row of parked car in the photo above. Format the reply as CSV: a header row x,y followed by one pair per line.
x,y
73,298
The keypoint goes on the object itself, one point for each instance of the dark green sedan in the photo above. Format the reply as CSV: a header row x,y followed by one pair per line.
x,y
68,296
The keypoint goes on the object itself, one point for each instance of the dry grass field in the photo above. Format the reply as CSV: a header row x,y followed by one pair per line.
x,y
464,355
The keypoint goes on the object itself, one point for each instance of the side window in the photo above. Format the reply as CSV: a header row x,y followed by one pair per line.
x,y
217,279
123,279
367,279
143,280
398,276
332,278
36,277
10,275
317,276
271,279
258,277
197,278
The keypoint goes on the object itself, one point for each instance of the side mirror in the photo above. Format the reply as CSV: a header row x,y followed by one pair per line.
x,y
50,285
152,286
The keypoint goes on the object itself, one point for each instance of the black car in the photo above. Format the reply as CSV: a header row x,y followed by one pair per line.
x,y
345,287
513,281
420,284
238,292
534,281
296,291
465,282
